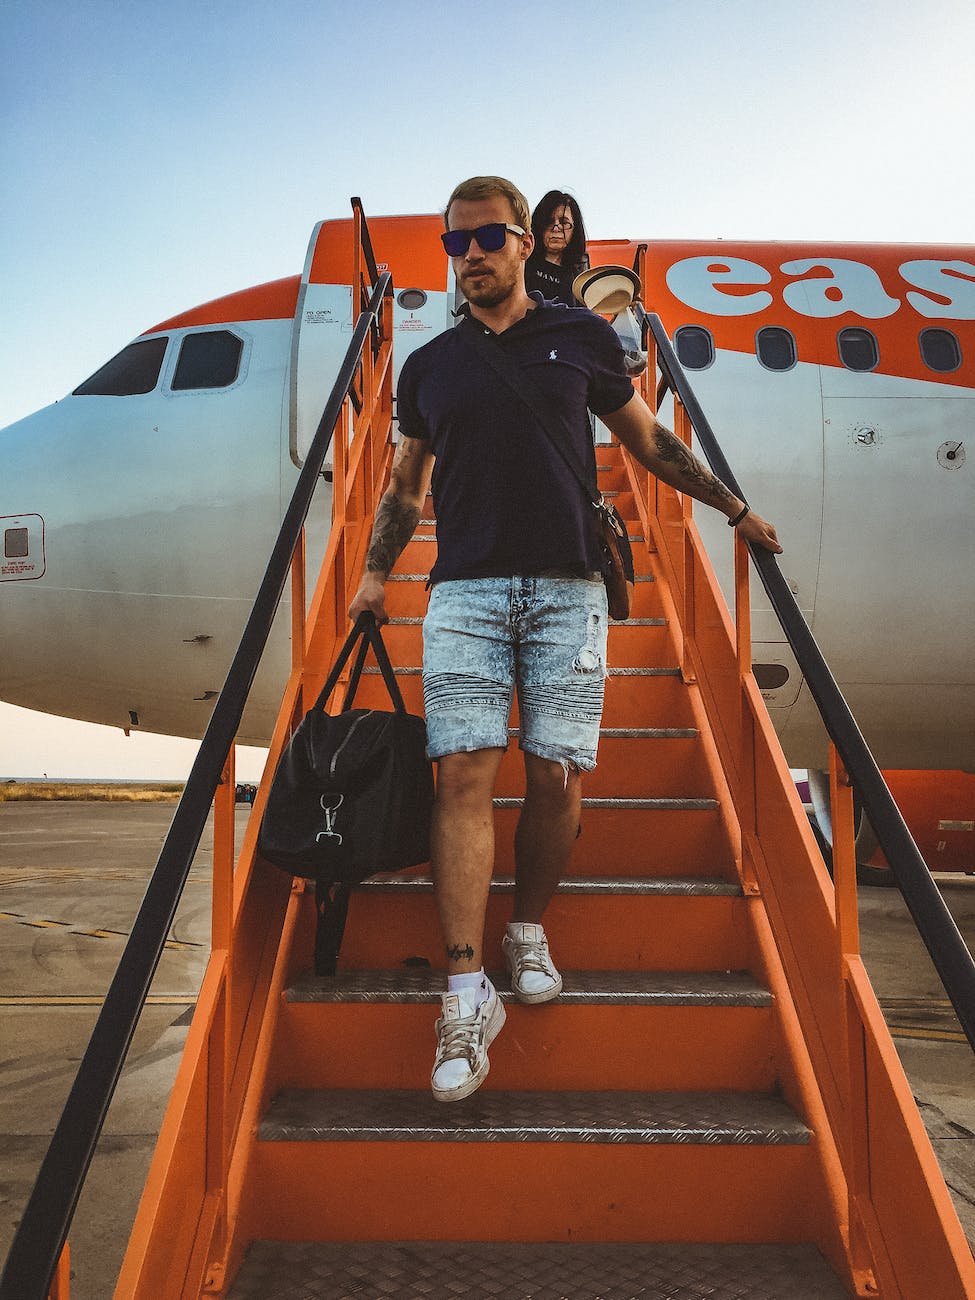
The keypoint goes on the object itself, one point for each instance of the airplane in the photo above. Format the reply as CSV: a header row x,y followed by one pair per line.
x,y
138,511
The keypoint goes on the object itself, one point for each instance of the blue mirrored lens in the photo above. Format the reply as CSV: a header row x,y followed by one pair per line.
x,y
489,238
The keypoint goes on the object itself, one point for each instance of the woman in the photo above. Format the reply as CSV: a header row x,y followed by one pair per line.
x,y
560,247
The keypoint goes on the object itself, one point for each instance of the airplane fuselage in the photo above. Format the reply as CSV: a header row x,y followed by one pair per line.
x,y
138,512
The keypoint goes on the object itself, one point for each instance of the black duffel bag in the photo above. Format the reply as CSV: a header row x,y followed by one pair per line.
x,y
352,794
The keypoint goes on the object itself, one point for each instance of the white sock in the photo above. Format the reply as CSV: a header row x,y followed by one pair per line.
x,y
476,980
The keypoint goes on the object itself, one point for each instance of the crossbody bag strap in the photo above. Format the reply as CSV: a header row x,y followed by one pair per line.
x,y
524,387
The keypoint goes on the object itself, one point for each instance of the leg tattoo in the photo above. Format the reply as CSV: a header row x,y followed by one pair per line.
x,y
456,953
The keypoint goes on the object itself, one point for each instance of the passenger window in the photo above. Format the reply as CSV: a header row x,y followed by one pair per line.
x,y
858,348
134,370
694,346
776,348
940,350
210,360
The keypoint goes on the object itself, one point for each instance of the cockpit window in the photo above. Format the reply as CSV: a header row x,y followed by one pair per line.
x,y
133,370
208,360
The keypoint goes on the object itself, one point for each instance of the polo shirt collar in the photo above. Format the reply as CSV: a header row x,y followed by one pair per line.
x,y
463,312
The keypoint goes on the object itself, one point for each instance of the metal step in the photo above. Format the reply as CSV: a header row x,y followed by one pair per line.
x,y
648,733
427,537
415,671
696,886
630,622
615,1118
423,577
638,733
620,988
278,1270
631,805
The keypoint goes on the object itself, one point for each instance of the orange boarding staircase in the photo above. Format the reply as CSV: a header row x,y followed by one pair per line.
x,y
713,1107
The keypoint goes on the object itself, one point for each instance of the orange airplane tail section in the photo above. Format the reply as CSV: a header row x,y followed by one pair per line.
x,y
713,1106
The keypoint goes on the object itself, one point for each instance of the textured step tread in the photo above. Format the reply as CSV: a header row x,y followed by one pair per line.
x,y
414,670
617,1118
689,803
423,577
705,886
415,1270
629,988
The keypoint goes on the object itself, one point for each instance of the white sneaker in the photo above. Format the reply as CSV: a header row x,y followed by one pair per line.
x,y
464,1034
533,975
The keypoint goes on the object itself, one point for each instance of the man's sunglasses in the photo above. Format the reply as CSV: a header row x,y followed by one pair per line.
x,y
489,238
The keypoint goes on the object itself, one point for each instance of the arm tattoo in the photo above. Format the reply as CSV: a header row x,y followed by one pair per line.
x,y
688,474
394,526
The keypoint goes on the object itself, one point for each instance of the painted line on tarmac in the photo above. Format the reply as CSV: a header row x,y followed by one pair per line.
x,y
92,1000
933,1035
44,923
41,875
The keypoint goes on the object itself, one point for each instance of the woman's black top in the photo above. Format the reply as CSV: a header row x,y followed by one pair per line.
x,y
552,281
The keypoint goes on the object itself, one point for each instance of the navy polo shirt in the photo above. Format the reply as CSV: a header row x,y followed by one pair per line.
x,y
504,500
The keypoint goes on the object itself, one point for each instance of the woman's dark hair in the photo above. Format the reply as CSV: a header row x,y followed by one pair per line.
x,y
575,251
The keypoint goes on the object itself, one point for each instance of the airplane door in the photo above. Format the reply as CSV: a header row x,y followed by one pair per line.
x,y
320,338
899,500
423,298
769,425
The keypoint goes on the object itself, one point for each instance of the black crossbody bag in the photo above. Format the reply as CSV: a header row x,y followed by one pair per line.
x,y
616,556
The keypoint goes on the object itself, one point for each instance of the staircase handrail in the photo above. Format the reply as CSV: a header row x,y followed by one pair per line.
x,y
930,913
42,1231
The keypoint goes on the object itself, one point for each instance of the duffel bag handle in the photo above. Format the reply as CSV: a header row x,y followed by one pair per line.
x,y
365,628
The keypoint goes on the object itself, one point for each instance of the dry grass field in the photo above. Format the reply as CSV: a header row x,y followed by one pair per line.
x,y
130,792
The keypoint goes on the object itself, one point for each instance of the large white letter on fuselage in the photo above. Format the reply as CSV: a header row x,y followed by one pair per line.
x,y
952,280
695,281
851,286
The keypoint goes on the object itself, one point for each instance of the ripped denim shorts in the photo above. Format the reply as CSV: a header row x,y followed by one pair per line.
x,y
483,638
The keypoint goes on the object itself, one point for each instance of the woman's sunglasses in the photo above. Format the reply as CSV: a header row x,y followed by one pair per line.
x,y
489,238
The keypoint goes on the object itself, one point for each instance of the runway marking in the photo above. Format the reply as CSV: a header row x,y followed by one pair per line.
x,y
935,1035
915,1004
44,875
91,1000
44,923
914,1009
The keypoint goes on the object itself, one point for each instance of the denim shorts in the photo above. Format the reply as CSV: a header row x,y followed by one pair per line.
x,y
483,638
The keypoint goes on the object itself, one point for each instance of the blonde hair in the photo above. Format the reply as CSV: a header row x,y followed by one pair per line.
x,y
486,187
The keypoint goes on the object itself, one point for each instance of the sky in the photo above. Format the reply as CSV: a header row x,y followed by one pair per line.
x,y
156,156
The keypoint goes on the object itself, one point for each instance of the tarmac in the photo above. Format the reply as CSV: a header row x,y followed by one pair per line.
x,y
72,876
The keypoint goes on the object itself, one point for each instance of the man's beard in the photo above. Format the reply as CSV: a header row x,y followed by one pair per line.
x,y
495,289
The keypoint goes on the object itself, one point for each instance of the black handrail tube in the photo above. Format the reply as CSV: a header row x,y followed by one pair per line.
x,y
935,923
367,242
43,1230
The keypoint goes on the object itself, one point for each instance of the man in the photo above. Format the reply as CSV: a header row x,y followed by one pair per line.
x,y
517,599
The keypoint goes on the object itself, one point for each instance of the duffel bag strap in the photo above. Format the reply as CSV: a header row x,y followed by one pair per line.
x,y
331,908
356,673
364,627
385,667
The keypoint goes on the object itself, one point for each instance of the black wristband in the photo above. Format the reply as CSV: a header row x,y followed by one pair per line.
x,y
732,523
